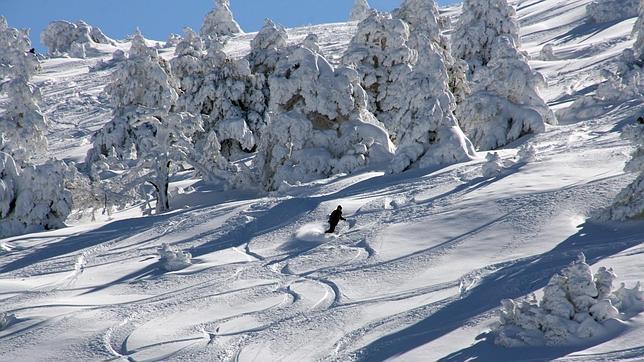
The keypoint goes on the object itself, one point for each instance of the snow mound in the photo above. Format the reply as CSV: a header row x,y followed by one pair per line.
x,y
73,39
173,259
576,304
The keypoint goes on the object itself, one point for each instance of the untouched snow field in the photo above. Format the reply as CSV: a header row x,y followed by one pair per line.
x,y
416,273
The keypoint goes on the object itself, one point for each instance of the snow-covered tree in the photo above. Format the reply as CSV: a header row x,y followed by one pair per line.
x,y
146,134
505,103
320,125
425,25
62,37
266,48
575,304
219,22
629,203
420,122
16,60
477,30
22,125
32,198
142,81
382,57
360,10
224,91
603,11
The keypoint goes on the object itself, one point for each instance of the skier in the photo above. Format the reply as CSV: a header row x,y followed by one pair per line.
x,y
334,219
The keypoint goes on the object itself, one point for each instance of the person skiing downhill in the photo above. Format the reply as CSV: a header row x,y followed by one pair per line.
x,y
334,219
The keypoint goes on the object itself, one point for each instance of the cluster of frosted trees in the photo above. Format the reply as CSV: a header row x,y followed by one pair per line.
x,y
576,304
403,97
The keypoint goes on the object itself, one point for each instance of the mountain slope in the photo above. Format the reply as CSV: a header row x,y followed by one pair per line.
x,y
416,273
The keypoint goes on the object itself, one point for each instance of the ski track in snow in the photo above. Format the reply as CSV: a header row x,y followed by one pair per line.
x,y
416,274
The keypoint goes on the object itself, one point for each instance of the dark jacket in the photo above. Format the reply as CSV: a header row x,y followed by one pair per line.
x,y
335,217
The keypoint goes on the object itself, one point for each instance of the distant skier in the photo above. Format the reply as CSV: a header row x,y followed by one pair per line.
x,y
640,120
334,219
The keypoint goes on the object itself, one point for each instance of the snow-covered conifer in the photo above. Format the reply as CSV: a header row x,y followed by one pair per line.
x,y
505,103
320,125
603,11
219,22
22,125
265,48
477,30
142,81
424,22
32,198
15,58
420,122
224,91
360,10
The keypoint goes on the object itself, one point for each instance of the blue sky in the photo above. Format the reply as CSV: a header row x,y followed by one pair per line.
x,y
158,18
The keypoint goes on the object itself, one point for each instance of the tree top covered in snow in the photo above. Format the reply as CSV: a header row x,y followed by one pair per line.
x,y
478,27
15,58
219,22
360,10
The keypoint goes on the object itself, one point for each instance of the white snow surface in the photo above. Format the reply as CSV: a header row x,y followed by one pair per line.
x,y
416,273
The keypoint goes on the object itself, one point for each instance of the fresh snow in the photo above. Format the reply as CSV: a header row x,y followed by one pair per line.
x,y
418,271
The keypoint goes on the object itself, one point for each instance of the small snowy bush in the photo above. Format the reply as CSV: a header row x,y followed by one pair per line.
x,y
505,103
575,304
477,30
65,38
493,165
360,10
172,259
603,11
219,22
527,153
629,203
32,198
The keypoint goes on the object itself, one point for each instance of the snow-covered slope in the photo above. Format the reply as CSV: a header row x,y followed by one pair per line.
x,y
416,273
